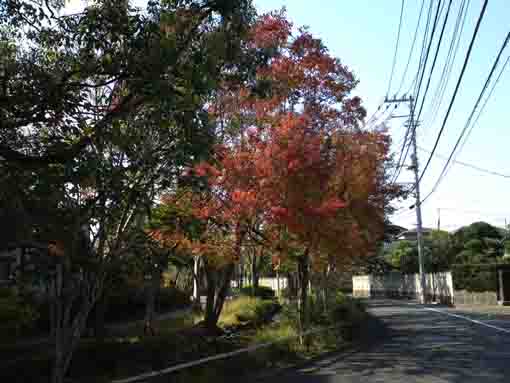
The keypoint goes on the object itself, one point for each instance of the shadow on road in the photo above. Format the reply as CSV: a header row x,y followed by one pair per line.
x,y
406,344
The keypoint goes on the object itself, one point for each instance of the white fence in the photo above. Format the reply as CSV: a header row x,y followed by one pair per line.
x,y
438,286
277,284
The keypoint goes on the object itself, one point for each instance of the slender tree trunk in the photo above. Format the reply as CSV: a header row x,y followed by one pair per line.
x,y
58,368
325,289
99,317
210,321
68,325
196,298
223,290
277,283
241,273
150,304
218,284
254,274
304,280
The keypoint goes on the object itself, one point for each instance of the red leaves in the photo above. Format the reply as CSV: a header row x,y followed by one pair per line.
x,y
296,161
272,30
204,169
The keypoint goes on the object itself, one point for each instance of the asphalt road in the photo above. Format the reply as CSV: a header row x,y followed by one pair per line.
x,y
409,343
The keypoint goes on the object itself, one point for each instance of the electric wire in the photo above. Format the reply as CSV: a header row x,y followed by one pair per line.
x,y
459,81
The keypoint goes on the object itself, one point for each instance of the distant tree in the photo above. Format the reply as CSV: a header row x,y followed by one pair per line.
x,y
479,242
438,253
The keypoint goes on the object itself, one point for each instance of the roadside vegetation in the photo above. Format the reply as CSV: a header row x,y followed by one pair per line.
x,y
472,253
160,159
248,320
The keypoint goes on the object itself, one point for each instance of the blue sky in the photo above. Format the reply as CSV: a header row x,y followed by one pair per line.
x,y
362,34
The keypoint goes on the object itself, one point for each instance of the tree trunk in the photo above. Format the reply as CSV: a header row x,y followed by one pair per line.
x,y
304,279
325,289
277,283
254,274
210,320
241,273
150,303
196,298
98,314
217,290
58,368
68,325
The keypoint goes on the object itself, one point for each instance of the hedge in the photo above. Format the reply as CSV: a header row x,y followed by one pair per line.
x,y
261,292
475,277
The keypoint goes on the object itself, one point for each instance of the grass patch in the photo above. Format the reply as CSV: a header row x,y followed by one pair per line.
x,y
133,354
244,309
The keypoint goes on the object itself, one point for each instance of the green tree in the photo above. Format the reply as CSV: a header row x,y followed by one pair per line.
x,y
438,253
99,111
478,243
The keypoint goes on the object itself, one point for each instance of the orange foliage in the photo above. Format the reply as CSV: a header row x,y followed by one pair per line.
x,y
299,163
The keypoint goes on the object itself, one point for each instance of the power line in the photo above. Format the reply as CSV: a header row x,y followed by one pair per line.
x,y
423,47
385,116
396,48
489,214
436,18
412,47
438,47
444,171
464,66
373,114
438,97
421,69
483,170
484,105
424,65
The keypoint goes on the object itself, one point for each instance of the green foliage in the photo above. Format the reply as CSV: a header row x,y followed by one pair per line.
x,y
263,292
247,309
129,303
348,310
403,255
16,315
475,277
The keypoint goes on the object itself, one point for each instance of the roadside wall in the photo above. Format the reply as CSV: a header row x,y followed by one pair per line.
x,y
438,286
276,284
487,298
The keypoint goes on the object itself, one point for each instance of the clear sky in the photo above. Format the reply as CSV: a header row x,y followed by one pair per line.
x,y
362,34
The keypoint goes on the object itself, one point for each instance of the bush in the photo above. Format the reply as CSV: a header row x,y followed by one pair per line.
x,y
125,304
260,292
171,299
475,278
15,315
247,309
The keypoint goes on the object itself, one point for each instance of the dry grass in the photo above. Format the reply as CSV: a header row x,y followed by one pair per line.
x,y
244,309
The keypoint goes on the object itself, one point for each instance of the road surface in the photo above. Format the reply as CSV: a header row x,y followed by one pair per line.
x,y
408,343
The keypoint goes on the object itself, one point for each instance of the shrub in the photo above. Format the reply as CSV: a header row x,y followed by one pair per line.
x,y
263,292
129,303
475,278
16,315
247,309
171,298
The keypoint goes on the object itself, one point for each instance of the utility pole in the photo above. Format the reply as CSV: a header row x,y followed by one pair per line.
x,y
412,124
438,218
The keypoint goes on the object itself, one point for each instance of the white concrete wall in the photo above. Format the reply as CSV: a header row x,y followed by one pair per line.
x,y
438,286
276,284
361,285
273,283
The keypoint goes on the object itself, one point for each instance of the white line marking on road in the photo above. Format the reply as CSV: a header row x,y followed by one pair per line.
x,y
468,319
